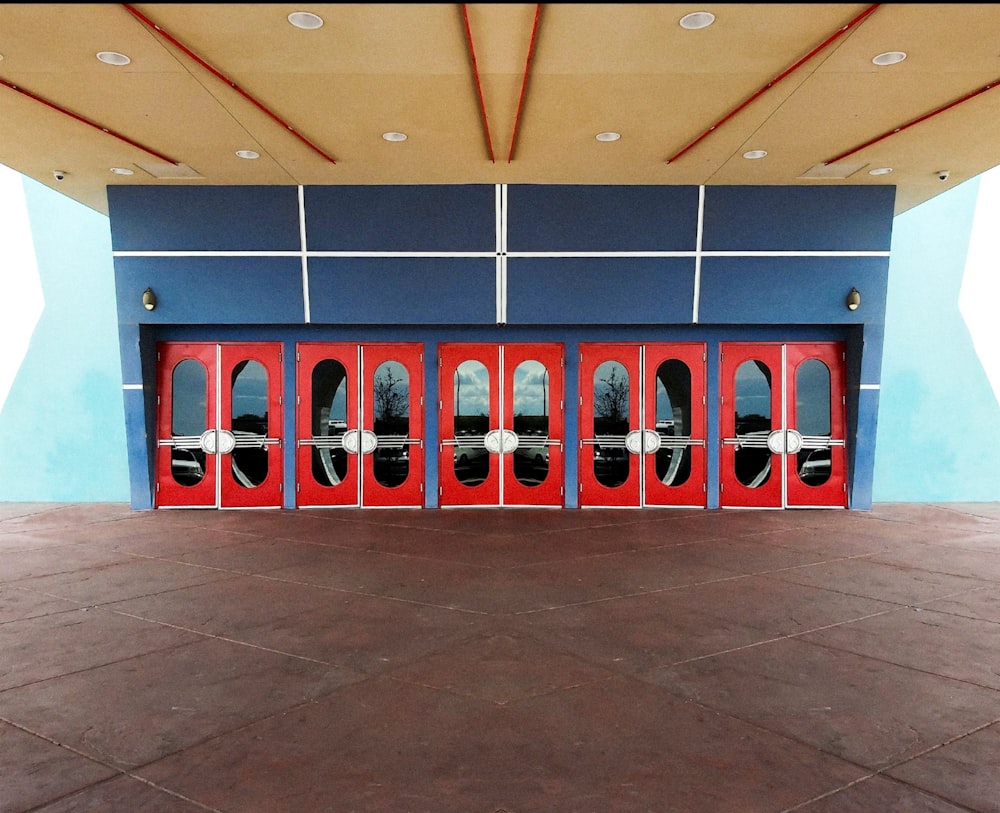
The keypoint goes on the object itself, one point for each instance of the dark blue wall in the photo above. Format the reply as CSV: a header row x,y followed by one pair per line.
x,y
518,263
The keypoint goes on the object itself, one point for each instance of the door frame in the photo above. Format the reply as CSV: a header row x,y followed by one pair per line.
x,y
357,443
643,439
219,440
500,449
782,444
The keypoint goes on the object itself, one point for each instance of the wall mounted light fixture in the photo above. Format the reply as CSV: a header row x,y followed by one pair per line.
x,y
149,299
853,299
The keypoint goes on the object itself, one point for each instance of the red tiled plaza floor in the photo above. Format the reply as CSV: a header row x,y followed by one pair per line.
x,y
485,660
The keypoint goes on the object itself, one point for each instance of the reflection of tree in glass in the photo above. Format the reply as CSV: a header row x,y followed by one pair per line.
x,y
612,401
391,396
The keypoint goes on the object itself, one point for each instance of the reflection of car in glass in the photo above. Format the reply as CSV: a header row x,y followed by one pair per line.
x,y
187,466
472,463
611,465
467,455
391,464
531,463
814,466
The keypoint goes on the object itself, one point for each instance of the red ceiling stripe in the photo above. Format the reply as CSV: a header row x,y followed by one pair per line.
x,y
88,122
915,121
839,33
138,15
479,86
524,83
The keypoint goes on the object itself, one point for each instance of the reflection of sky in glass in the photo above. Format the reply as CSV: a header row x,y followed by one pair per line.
x,y
753,393
338,407
812,398
188,407
400,388
531,388
472,389
398,372
250,390
604,373
664,410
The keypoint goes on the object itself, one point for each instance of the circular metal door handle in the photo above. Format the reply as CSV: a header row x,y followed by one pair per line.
x,y
651,441
368,441
633,441
217,441
350,441
509,441
207,441
776,442
493,441
793,441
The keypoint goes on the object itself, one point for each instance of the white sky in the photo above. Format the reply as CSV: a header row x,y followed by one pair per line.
x,y
979,298
20,290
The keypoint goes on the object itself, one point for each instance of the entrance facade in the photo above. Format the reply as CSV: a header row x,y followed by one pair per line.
x,y
501,424
359,424
782,425
219,424
642,425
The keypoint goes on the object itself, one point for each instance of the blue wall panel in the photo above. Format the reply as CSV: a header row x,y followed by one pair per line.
x,y
204,218
210,290
401,218
602,218
599,290
798,218
402,290
802,290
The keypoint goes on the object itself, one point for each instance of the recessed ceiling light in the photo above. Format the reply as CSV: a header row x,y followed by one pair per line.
x,y
305,19
889,58
754,154
113,58
248,154
121,171
697,19
394,136
880,171
608,136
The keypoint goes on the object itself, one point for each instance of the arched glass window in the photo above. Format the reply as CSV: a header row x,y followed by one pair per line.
x,y
531,422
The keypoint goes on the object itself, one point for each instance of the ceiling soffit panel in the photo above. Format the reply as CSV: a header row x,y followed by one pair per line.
x,y
552,77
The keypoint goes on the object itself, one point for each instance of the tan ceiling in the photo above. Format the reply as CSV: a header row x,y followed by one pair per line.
x,y
499,93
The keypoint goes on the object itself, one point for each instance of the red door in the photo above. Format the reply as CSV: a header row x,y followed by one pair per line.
x,y
783,426
219,425
642,425
501,424
359,425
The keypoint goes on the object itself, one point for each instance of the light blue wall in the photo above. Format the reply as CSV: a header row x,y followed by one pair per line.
x,y
938,417
62,426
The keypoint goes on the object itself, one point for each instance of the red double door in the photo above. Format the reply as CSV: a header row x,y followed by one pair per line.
x,y
501,424
359,424
219,426
782,426
642,425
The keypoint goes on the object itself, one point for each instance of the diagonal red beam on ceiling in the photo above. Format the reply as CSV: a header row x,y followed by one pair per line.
x,y
86,121
479,85
524,83
914,122
832,38
219,75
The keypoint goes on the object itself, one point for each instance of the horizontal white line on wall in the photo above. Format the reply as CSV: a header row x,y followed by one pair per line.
x,y
555,254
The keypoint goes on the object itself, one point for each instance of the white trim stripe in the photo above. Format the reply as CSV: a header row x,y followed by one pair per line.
x,y
306,314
